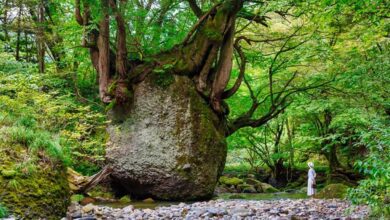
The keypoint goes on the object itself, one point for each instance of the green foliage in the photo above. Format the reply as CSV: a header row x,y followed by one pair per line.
x,y
76,198
374,190
163,77
3,211
40,112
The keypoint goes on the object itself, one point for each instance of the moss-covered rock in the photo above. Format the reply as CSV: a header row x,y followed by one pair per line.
x,y
265,188
230,181
125,199
252,181
247,188
42,192
168,145
332,191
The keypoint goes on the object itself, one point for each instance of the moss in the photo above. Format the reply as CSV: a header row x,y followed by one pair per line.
x,y
102,191
213,34
252,181
266,188
125,199
76,198
43,193
8,173
112,88
111,105
236,196
271,190
230,181
162,78
331,191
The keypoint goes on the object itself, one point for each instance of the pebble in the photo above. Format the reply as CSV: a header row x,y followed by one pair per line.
x,y
88,208
228,209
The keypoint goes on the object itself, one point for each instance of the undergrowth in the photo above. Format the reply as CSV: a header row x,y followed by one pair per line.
x,y
41,112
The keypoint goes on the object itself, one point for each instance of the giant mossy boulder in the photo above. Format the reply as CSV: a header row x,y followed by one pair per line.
x,y
35,190
333,191
167,143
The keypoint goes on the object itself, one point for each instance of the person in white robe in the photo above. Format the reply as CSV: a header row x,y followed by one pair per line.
x,y
311,180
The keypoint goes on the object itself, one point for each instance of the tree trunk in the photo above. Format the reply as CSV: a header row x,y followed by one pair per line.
x,y
331,156
18,32
40,38
5,21
167,138
104,54
27,57
290,136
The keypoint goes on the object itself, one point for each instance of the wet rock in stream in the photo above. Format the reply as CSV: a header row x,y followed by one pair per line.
x,y
228,209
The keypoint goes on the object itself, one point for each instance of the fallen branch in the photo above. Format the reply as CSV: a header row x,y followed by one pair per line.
x,y
80,184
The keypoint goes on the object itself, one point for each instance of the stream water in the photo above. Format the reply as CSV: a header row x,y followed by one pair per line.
x,y
225,196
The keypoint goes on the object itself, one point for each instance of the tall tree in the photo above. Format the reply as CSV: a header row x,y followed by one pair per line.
x,y
204,57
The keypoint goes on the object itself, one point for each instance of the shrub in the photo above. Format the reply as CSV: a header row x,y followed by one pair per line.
x,y
374,190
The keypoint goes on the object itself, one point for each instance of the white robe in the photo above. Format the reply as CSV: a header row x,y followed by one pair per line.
x,y
311,179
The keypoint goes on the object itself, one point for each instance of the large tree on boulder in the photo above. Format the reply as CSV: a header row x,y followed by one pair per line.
x,y
169,117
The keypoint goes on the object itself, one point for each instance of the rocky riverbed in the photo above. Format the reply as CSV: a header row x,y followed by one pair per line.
x,y
227,209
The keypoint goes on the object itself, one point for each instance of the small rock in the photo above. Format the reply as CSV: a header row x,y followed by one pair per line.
x,y
240,212
76,214
88,208
148,200
128,209
216,211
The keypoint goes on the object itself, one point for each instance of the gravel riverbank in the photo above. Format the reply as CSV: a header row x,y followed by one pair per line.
x,y
228,209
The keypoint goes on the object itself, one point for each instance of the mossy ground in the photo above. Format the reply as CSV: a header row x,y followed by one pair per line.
x,y
41,192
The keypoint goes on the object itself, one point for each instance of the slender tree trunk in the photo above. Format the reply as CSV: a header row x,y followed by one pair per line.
x,y
290,133
27,57
332,159
5,21
40,38
18,33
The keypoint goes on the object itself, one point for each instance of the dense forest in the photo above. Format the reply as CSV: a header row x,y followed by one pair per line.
x,y
166,100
